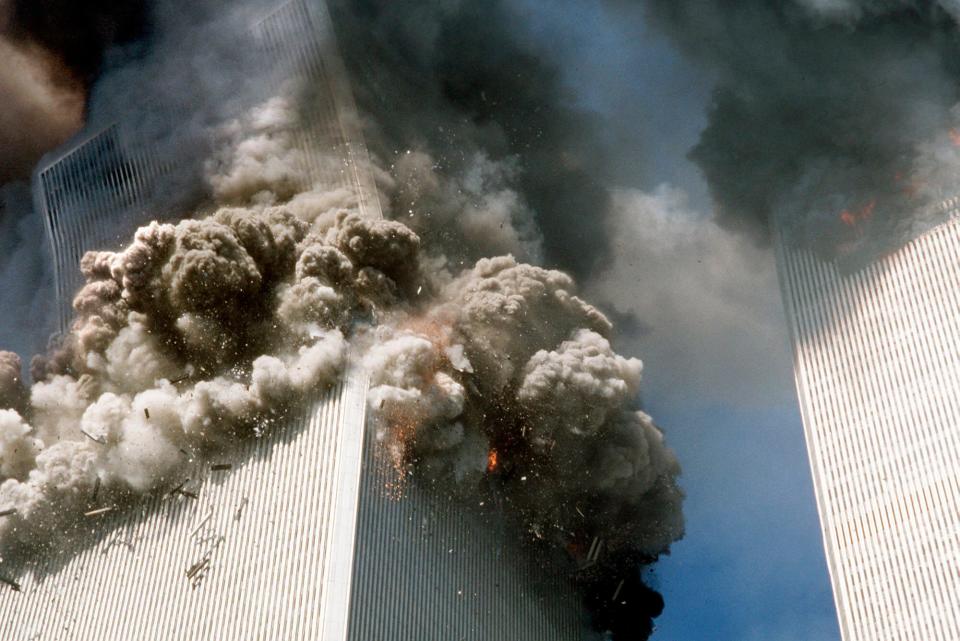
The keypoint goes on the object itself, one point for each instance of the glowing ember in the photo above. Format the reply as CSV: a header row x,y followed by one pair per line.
x,y
491,460
850,217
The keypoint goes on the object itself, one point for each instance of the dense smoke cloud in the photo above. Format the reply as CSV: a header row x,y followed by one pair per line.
x,y
201,334
204,332
461,84
52,51
838,116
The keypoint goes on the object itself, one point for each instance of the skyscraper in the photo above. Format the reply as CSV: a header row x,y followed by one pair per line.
x,y
298,539
300,534
877,367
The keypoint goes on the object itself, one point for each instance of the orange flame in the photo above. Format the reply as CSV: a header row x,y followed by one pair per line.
x,y
491,460
851,217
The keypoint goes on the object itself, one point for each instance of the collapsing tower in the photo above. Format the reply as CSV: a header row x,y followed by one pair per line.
x,y
298,535
877,367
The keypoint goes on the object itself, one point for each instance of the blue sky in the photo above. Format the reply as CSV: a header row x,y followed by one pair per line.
x,y
717,366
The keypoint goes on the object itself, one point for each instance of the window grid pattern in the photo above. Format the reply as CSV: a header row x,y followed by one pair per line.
x,y
877,368
99,190
300,44
89,198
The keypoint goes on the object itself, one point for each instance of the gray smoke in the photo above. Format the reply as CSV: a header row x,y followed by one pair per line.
x,y
201,333
838,117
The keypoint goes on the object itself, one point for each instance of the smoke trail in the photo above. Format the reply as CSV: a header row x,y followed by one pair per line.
x,y
837,116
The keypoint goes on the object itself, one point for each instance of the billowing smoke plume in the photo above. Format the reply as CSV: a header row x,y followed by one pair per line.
x,y
486,371
198,334
52,50
460,84
838,116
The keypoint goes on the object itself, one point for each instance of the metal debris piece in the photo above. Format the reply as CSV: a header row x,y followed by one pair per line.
x,y
96,490
13,584
178,488
197,567
594,554
579,512
99,511
180,379
191,495
243,504
93,438
146,412
9,512
202,523
220,467
617,591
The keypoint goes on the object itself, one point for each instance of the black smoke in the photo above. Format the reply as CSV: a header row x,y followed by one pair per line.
x,y
459,78
81,33
837,116
453,80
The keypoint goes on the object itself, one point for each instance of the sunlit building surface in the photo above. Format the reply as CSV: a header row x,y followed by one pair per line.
x,y
304,532
298,539
877,366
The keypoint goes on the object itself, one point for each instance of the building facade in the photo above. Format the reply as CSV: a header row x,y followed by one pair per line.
x,y
298,535
877,368
299,539
96,191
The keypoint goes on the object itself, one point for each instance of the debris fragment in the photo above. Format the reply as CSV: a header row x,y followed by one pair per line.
x,y
9,512
243,504
13,584
93,438
96,490
178,488
220,467
99,511
202,522
146,412
198,567
617,591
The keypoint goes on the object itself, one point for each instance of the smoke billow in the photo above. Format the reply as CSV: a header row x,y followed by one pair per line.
x,y
53,51
485,371
200,334
461,85
839,117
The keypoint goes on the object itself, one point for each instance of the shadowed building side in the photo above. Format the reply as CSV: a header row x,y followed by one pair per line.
x,y
95,192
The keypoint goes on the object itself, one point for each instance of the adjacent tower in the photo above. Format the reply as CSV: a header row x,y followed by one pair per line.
x,y
877,368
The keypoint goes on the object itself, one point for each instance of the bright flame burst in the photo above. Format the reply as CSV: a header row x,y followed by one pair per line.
x,y
491,460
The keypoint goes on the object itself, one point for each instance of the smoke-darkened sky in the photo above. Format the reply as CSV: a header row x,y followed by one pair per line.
x,y
561,121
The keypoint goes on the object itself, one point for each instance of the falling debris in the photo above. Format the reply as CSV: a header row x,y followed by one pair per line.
x,y
8,512
202,522
146,412
220,467
13,584
178,488
197,568
93,438
616,592
99,511
239,512
96,490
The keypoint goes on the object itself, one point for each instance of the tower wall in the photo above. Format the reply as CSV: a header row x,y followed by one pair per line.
x,y
877,368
